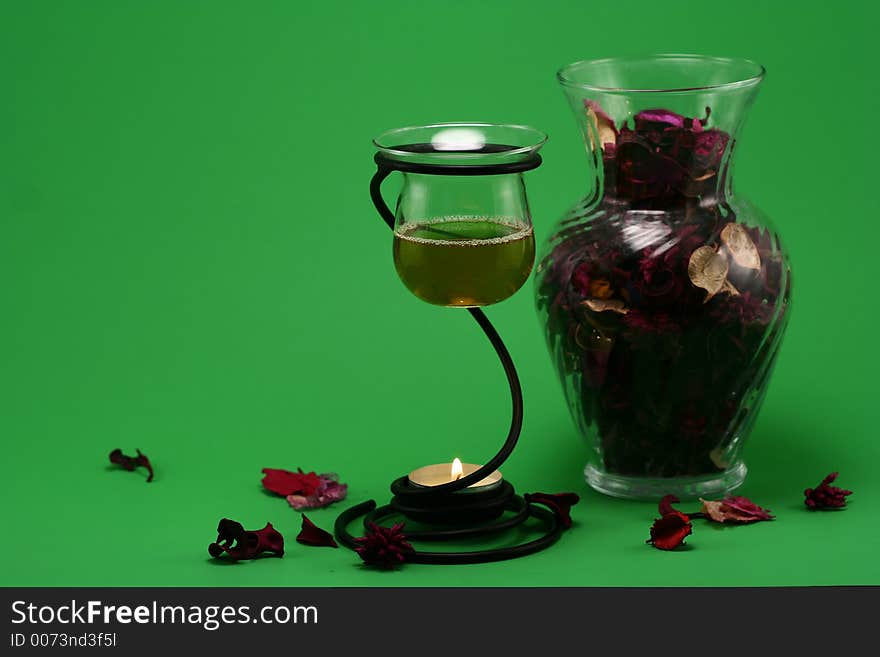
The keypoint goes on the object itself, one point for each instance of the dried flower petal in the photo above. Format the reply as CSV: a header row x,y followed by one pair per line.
x,y
329,491
661,116
284,482
131,462
826,496
669,531
601,305
238,544
385,547
311,534
743,250
745,506
707,268
559,503
734,509
665,506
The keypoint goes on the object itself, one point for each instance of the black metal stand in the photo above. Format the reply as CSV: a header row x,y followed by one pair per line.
x,y
473,512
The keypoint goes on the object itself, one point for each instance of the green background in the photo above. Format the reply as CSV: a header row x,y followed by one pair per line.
x,y
190,264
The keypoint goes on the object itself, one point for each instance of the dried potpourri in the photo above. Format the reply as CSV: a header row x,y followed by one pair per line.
x,y
131,462
660,308
559,503
826,496
383,547
671,528
304,490
236,543
311,534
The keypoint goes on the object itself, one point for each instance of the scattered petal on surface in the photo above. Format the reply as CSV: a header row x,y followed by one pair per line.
x,y
665,506
559,503
132,462
385,547
329,491
826,496
238,544
735,510
744,506
669,531
284,482
311,534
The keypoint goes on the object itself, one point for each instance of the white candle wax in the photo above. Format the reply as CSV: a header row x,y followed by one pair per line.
x,y
442,473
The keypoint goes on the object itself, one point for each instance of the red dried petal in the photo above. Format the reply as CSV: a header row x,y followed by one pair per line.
x,y
559,503
826,496
311,534
284,482
238,544
329,491
662,117
665,506
668,532
131,462
385,547
736,509
270,540
745,507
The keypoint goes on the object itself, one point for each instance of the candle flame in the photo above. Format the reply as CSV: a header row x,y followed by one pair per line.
x,y
457,470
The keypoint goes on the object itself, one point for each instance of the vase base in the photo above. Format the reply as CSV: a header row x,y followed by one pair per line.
x,y
653,488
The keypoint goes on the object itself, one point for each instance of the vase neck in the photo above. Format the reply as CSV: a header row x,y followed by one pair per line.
x,y
654,148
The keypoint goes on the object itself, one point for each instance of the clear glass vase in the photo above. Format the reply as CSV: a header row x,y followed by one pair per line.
x,y
664,295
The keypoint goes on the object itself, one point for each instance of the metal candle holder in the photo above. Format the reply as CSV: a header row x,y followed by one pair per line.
x,y
452,511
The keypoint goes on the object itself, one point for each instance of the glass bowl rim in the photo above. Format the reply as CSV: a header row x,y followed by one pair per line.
x,y
539,138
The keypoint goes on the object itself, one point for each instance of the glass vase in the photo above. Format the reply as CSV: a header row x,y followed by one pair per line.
x,y
663,294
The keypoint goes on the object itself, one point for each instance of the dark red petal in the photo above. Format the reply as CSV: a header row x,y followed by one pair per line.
x,y
311,534
238,544
826,496
658,116
745,506
142,460
270,540
385,547
131,462
559,503
669,532
665,506
284,482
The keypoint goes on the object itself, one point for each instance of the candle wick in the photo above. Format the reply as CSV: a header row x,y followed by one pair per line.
x,y
458,476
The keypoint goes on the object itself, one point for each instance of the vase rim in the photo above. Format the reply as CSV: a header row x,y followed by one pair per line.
x,y
728,73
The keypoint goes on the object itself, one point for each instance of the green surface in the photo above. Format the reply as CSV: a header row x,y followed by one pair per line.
x,y
190,264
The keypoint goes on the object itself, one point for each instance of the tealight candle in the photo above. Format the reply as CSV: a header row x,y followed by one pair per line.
x,y
443,473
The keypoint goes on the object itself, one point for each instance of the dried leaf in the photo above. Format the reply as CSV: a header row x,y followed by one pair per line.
x,y
716,511
603,123
707,268
743,250
601,305
734,509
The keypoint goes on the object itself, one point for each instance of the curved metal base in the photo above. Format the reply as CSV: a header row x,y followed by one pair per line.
x,y
519,512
